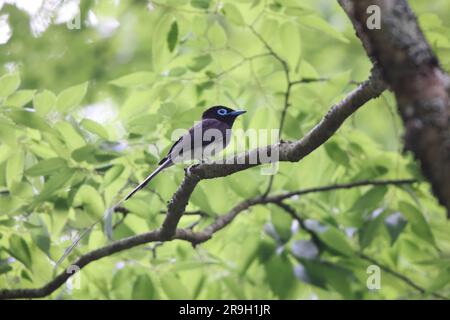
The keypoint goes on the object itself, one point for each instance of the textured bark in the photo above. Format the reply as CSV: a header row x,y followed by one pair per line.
x,y
421,87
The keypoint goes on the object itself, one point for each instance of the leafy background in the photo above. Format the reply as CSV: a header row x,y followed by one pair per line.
x,y
86,113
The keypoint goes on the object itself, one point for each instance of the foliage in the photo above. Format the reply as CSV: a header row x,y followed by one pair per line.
x,y
84,116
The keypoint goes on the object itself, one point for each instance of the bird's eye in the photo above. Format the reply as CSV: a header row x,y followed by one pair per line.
x,y
222,112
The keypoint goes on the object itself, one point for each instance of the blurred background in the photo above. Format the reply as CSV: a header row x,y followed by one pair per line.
x,y
91,92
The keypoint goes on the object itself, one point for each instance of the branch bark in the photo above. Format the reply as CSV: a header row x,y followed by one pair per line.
x,y
420,85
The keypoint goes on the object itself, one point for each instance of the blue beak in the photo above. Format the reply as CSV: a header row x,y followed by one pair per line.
x,y
237,113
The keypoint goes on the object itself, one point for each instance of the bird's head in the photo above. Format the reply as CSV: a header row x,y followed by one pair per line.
x,y
222,113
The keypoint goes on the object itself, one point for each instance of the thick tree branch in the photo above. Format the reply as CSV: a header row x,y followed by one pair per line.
x,y
420,85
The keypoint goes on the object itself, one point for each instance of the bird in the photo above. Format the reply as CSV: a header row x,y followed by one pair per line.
x,y
206,138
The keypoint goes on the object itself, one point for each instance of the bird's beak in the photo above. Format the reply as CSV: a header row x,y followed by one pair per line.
x,y
237,113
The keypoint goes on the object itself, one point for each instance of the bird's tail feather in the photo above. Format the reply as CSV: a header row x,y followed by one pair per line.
x,y
163,166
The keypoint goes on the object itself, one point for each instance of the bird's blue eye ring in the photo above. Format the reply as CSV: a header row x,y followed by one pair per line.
x,y
222,112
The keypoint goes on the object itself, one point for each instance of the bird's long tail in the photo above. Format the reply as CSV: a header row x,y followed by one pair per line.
x,y
167,163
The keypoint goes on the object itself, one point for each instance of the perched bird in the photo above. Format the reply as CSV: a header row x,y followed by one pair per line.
x,y
208,137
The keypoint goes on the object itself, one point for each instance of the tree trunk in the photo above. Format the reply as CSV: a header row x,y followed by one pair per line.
x,y
413,73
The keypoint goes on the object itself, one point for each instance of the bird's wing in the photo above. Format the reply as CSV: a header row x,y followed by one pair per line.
x,y
197,138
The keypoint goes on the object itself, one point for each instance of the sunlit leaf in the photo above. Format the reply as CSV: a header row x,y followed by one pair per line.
x,y
201,4
55,183
8,84
14,168
70,98
20,98
173,287
46,167
217,35
318,23
29,119
200,62
19,249
418,223
143,288
95,128
44,101
140,78
233,14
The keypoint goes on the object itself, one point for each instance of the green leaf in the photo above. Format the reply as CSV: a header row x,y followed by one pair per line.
x,y
112,174
200,62
144,124
71,97
95,128
233,14
200,199
172,36
290,38
282,223
4,268
70,134
20,98
5,152
369,200
8,134
440,282
318,23
135,105
46,167
201,4
217,35
335,153
136,79
42,239
18,248
336,240
395,223
370,229
9,84
44,101
55,183
143,288
29,119
174,288
91,200
280,275
418,223
265,250
326,275
14,169
91,154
